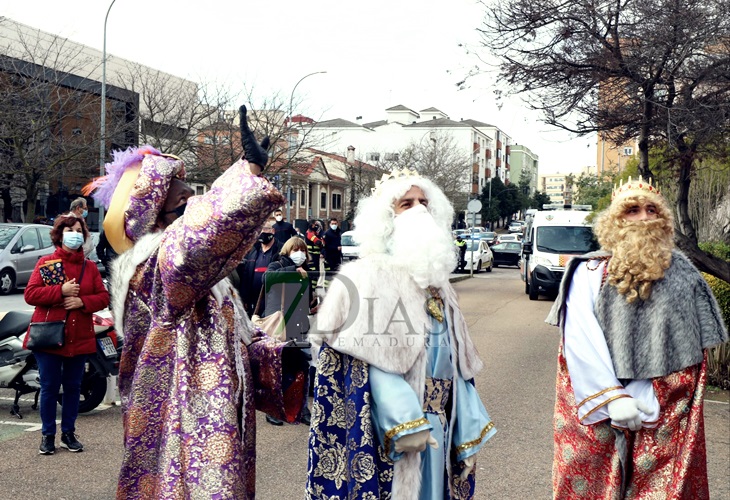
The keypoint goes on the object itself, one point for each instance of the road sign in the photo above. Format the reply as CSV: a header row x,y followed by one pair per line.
x,y
474,206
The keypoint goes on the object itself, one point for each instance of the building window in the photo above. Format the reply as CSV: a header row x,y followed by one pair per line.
x,y
199,190
323,200
336,201
302,197
628,151
373,156
391,157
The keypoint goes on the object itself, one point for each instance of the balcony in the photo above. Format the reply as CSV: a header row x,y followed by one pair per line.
x,y
488,154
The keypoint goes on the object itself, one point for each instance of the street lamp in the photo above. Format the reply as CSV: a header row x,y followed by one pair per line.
x,y
102,140
288,168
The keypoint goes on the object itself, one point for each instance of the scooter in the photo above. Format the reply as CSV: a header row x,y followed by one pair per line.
x,y
19,369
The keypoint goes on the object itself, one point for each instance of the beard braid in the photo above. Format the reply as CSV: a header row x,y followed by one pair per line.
x,y
642,252
422,247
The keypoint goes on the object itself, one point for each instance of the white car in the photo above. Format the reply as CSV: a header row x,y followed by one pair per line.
x,y
350,250
509,237
478,256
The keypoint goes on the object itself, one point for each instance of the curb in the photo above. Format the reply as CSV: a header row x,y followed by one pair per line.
x,y
456,279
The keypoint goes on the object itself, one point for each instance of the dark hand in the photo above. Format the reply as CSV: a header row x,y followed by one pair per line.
x,y
253,151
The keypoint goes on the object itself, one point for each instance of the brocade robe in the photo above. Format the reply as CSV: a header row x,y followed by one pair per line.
x,y
186,378
595,460
366,398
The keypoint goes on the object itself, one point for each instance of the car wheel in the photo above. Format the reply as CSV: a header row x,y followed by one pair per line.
x,y
479,267
533,289
7,281
491,265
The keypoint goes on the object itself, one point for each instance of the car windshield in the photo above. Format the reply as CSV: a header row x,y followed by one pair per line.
x,y
347,241
472,245
507,246
488,235
556,239
6,234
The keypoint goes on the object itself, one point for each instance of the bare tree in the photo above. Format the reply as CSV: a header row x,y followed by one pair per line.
x,y
651,70
437,157
48,113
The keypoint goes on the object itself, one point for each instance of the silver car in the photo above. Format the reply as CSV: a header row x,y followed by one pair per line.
x,y
21,245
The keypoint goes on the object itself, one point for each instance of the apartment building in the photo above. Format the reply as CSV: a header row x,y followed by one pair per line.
x,y
524,162
557,188
485,148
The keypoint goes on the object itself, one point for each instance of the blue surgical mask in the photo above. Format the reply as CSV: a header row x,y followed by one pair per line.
x,y
84,213
73,240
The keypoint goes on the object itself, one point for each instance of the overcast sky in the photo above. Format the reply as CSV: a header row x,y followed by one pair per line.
x,y
376,53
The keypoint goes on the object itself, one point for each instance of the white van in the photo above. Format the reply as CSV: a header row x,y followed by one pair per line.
x,y
552,237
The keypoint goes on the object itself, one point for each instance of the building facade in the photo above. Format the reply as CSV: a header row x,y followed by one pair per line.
x,y
523,162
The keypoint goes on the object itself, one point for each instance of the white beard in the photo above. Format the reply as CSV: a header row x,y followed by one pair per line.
x,y
421,246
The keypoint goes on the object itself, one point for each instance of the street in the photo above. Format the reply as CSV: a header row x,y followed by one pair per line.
x,y
517,387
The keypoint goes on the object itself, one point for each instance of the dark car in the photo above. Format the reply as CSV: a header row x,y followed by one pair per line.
x,y
507,254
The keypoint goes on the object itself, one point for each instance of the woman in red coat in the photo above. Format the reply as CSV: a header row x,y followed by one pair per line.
x,y
79,296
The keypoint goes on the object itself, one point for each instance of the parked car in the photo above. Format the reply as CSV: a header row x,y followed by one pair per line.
x,y
460,232
350,250
502,238
507,254
516,226
21,245
478,256
489,236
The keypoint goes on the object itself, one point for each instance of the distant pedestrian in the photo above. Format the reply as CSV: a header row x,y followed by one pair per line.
x,y
251,270
314,248
283,230
333,245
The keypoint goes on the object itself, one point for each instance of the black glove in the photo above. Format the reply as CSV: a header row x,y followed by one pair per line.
x,y
252,150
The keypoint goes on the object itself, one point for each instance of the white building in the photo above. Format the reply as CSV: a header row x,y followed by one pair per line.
x,y
485,146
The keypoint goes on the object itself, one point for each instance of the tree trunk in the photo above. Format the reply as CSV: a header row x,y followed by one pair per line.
x,y
703,261
686,158
31,195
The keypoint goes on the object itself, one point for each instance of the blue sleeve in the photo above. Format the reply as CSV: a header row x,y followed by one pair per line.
x,y
395,409
473,426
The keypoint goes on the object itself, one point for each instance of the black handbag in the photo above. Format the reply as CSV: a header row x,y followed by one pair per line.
x,y
49,334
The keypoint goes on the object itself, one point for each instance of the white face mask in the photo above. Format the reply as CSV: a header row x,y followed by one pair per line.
x,y
333,227
298,257
279,218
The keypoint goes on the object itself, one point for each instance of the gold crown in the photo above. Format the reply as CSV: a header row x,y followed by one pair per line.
x,y
633,185
395,174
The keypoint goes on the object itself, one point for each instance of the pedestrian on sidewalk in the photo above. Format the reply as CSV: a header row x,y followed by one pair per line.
x,y
394,398
636,318
74,291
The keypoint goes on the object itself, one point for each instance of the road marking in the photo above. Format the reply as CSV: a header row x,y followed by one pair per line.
x,y
30,427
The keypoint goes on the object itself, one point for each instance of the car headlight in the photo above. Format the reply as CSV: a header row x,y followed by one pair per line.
x,y
542,261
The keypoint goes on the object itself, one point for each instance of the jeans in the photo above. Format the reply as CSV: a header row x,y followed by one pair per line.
x,y
54,371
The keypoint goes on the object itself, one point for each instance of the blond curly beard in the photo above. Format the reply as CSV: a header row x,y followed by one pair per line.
x,y
642,250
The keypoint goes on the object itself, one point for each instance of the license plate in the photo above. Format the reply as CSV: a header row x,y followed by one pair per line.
x,y
107,347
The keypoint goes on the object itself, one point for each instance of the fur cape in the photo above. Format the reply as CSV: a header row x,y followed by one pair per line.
x,y
664,334
375,312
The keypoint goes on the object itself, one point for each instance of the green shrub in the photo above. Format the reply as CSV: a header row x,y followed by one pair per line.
x,y
718,360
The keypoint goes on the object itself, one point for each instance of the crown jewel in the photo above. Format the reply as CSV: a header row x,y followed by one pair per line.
x,y
634,185
395,174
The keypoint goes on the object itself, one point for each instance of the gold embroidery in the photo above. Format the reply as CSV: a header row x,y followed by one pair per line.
x,y
400,428
470,444
435,304
604,391
604,404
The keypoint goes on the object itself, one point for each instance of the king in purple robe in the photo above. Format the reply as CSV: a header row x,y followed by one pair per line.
x,y
193,369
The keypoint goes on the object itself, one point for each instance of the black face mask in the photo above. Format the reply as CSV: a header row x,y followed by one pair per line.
x,y
179,210
266,237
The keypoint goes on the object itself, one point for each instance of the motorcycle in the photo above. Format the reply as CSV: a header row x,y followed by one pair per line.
x,y
19,369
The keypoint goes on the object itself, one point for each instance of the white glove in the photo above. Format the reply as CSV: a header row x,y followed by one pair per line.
x,y
415,442
624,412
468,466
